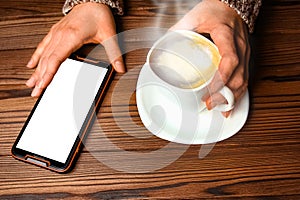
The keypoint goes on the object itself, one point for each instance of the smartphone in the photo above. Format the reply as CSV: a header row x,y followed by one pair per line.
x,y
53,134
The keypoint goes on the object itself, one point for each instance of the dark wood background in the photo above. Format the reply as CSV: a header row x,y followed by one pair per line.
x,y
260,162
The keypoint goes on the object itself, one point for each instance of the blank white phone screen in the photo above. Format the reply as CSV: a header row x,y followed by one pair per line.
x,y
56,121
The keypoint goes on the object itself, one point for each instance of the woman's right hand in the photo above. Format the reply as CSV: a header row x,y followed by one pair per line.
x,y
230,34
86,23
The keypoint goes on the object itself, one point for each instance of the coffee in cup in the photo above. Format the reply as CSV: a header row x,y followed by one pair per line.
x,y
186,62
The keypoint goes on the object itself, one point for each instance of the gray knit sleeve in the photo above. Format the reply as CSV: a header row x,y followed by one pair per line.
x,y
116,5
247,9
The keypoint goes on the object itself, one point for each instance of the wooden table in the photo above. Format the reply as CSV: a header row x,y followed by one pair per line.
x,y
260,162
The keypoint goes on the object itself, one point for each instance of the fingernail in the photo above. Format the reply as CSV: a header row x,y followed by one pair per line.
x,y
226,114
30,82
34,92
208,105
120,67
29,64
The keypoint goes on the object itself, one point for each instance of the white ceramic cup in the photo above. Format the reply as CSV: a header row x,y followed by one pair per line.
x,y
185,62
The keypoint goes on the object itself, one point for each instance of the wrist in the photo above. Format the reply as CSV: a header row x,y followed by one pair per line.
x,y
247,10
215,13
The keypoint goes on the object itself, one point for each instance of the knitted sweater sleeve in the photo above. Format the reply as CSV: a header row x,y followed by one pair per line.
x,y
116,5
247,9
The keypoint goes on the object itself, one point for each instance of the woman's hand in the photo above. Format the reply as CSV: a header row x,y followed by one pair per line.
x,y
86,23
230,35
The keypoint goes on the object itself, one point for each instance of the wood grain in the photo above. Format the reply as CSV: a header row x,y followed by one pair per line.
x,y
260,162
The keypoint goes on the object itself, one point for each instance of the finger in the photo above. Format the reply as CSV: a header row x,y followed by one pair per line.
x,y
238,95
214,100
49,67
239,79
36,92
57,51
227,114
34,60
224,39
32,80
114,54
239,92
43,76
217,98
38,89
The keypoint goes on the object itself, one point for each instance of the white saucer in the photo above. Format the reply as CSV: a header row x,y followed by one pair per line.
x,y
161,113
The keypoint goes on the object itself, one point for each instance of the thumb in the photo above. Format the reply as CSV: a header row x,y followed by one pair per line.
x,y
114,54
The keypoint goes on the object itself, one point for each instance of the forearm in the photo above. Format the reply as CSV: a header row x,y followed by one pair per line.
x,y
116,5
247,9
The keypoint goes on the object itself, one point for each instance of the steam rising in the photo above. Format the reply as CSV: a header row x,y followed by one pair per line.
x,y
170,12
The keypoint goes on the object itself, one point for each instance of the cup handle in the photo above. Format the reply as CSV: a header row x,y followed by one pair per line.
x,y
228,95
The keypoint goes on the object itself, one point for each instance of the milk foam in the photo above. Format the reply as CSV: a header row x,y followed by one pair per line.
x,y
184,63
